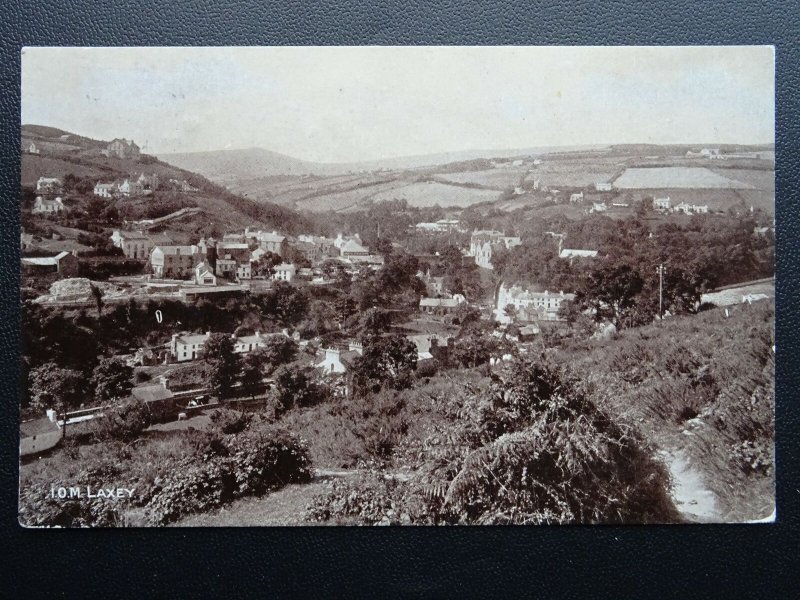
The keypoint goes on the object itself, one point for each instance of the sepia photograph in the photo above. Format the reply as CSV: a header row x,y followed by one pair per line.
x,y
397,285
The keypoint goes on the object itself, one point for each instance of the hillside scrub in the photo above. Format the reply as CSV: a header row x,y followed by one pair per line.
x,y
527,447
703,384
171,476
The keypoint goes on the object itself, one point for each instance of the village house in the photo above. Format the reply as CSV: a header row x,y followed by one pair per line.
x,y
204,274
187,347
339,362
25,241
48,205
129,188
284,272
485,242
65,264
49,185
148,183
434,286
32,149
314,248
427,344
39,435
575,253
134,244
175,261
602,186
598,207
575,198
272,242
225,267
244,271
104,190
528,305
238,251
121,148
689,209
662,203
440,226
248,343
441,306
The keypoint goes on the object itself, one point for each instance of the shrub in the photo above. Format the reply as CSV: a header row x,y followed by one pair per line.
x,y
124,422
230,421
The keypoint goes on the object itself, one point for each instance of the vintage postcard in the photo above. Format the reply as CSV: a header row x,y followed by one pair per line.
x,y
397,286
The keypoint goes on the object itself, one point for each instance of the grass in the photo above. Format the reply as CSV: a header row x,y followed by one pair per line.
x,y
498,179
427,194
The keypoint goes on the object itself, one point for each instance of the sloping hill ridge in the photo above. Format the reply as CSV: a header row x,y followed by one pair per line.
x,y
63,153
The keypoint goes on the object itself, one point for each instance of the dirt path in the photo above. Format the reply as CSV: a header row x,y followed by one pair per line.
x,y
694,501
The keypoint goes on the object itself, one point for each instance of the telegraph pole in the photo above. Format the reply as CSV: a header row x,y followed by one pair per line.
x,y
660,270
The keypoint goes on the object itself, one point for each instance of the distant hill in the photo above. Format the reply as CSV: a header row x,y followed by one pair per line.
x,y
229,166
62,153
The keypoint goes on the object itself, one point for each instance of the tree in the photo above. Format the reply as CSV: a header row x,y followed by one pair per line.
x,y
287,303
295,387
224,362
252,373
611,290
472,350
375,321
386,361
111,380
278,350
266,264
124,422
98,298
52,387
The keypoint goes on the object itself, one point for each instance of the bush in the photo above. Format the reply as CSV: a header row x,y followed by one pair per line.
x,y
230,421
123,422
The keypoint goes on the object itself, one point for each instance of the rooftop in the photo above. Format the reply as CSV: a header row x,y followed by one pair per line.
x,y
37,427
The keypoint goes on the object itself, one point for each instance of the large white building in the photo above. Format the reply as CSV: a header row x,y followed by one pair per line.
x,y
529,306
485,242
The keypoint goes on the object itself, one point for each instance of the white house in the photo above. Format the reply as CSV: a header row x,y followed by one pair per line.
x,y
284,272
574,198
530,306
104,190
248,343
599,207
32,149
187,347
49,185
134,244
337,362
204,275
39,435
602,186
662,203
47,205
575,253
483,244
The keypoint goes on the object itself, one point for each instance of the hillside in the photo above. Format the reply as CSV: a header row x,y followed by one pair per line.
x,y
62,153
547,176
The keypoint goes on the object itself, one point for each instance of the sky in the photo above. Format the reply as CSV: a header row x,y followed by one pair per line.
x,y
346,104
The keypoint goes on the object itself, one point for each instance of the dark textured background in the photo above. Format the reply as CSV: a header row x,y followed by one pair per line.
x,y
681,561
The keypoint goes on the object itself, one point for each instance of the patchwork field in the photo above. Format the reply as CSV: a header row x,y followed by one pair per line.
x,y
574,173
338,201
498,179
676,177
432,193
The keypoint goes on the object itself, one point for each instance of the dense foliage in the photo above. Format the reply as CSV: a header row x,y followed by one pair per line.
x,y
170,478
